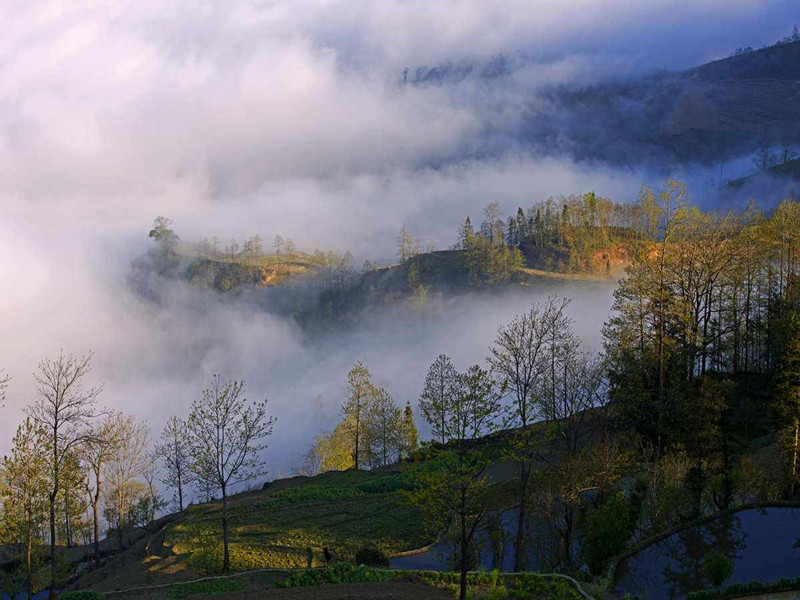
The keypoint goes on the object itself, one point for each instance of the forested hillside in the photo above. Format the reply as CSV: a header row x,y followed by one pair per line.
x,y
581,235
551,452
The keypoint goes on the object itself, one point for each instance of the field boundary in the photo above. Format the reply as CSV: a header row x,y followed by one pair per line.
x,y
161,586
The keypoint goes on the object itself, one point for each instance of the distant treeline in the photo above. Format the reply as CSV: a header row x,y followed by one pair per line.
x,y
789,39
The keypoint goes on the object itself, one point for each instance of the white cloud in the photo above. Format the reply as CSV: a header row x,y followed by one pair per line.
x,y
281,117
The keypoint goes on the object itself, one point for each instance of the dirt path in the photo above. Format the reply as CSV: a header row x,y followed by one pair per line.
x,y
391,590
258,588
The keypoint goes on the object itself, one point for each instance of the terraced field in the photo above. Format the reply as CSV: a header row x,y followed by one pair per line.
x,y
278,528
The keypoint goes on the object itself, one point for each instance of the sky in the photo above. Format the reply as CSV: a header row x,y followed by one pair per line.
x,y
290,118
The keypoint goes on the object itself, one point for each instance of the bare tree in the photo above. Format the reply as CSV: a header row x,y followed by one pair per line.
x,y
764,159
128,461
516,361
96,452
150,501
174,450
490,228
407,245
64,408
385,427
226,433
454,488
441,387
4,380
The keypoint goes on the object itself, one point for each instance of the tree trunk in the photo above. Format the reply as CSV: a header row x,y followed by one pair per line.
x,y
358,432
226,562
462,595
120,519
51,594
67,529
96,519
52,588
519,548
794,453
568,526
29,561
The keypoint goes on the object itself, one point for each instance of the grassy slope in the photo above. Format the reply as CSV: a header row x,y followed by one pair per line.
x,y
275,527
445,270
271,528
268,270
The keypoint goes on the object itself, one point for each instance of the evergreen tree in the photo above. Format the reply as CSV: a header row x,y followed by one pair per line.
x,y
512,235
410,439
360,396
24,498
523,231
465,234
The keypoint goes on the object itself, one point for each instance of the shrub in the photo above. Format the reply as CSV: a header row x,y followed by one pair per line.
x,y
308,493
718,567
341,572
207,559
371,556
389,483
81,595
607,531
528,586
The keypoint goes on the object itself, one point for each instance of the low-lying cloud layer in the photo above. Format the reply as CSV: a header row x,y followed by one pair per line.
x,y
242,118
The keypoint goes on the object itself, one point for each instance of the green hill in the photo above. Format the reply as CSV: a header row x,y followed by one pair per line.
x,y
227,274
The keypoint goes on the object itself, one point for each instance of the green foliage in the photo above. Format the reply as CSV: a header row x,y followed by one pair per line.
x,y
205,588
607,531
487,586
389,483
294,496
409,440
787,401
341,572
718,567
490,263
81,595
208,559
496,591
372,557
163,235
332,451
529,586
274,529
